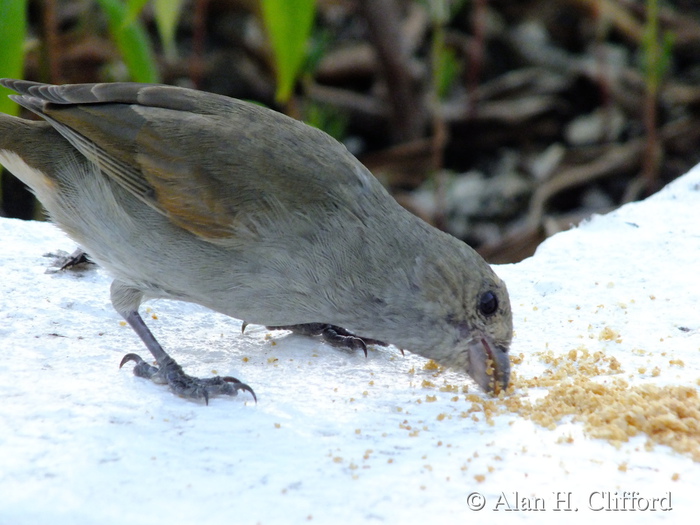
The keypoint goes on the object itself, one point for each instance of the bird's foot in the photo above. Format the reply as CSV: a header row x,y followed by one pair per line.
x,y
170,373
334,335
78,260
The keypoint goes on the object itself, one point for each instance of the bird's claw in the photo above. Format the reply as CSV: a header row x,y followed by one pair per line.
x,y
240,386
131,357
334,335
184,385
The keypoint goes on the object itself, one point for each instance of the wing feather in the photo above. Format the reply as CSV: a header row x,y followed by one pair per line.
x,y
216,166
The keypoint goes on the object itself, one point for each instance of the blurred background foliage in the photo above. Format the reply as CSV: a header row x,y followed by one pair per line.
x,y
502,122
13,28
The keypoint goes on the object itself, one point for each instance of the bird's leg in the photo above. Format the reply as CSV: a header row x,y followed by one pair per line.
x,y
170,373
333,335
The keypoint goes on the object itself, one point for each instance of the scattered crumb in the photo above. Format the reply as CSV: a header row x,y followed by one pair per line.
x,y
608,334
587,387
517,359
489,372
431,365
611,410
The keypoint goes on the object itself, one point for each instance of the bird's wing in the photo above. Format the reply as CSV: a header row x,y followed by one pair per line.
x,y
216,166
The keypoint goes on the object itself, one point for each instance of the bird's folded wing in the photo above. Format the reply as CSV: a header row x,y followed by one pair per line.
x,y
216,166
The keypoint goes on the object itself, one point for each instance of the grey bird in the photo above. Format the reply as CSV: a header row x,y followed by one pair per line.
x,y
187,195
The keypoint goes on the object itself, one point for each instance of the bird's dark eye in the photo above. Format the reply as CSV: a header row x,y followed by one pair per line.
x,y
488,303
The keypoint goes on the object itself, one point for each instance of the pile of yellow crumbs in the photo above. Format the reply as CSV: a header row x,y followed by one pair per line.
x,y
582,386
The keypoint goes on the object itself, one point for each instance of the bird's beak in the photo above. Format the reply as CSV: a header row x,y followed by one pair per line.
x,y
489,365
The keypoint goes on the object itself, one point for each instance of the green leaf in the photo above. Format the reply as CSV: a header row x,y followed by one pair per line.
x,y
133,10
132,41
288,24
657,49
446,72
13,27
167,15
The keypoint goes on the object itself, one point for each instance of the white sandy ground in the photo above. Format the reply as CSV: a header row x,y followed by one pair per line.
x,y
335,437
